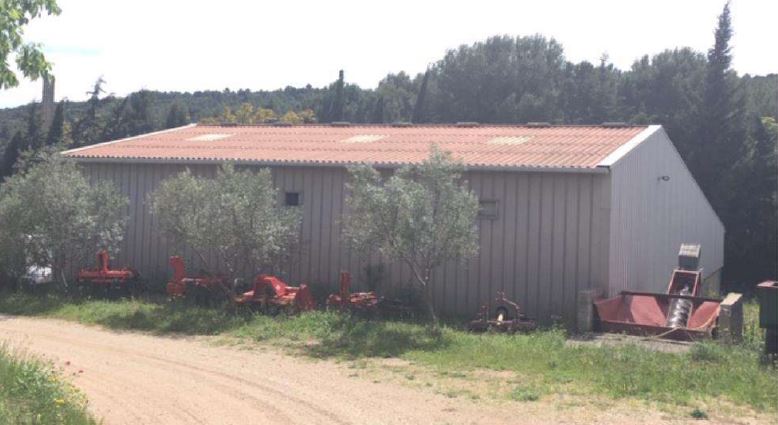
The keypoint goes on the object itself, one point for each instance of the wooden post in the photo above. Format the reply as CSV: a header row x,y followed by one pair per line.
x,y
731,318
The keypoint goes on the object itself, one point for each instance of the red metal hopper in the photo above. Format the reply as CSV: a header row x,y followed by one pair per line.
x,y
642,313
679,314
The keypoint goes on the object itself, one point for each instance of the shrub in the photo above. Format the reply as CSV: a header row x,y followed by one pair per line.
x,y
50,215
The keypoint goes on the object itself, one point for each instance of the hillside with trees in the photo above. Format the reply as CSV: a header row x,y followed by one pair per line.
x,y
724,125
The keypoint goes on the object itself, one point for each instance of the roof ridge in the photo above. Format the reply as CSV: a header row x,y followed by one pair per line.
x,y
423,125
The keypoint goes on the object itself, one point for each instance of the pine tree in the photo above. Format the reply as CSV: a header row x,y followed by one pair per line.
x,y
56,133
89,129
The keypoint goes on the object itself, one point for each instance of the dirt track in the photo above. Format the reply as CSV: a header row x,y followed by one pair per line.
x,y
133,378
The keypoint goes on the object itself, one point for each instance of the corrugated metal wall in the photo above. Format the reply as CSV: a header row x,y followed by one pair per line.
x,y
550,238
652,217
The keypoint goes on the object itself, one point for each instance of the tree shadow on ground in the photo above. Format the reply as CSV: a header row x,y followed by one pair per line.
x,y
356,338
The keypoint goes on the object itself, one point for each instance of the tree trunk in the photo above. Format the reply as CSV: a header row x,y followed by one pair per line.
x,y
429,301
425,284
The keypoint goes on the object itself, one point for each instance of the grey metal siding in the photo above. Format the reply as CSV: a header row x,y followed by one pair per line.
x,y
549,241
652,217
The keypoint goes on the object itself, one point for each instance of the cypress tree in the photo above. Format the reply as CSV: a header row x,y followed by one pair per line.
x,y
33,137
11,155
56,133
378,111
337,107
418,109
721,133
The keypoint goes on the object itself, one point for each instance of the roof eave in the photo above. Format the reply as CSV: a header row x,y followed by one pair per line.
x,y
387,165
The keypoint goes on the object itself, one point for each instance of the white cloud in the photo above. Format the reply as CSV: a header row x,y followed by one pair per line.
x,y
198,45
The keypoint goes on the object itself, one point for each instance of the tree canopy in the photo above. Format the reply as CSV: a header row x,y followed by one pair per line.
x,y
423,216
30,61
50,215
235,215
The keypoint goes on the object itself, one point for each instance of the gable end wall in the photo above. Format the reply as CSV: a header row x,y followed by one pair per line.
x,y
651,217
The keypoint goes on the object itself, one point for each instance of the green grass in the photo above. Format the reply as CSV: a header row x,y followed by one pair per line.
x,y
32,393
542,362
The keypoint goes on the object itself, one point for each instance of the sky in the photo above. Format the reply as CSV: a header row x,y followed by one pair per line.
x,y
189,45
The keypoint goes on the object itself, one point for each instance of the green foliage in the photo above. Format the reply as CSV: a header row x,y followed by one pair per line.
x,y
14,16
56,135
503,79
176,116
246,114
236,214
524,394
11,154
32,393
397,96
51,215
422,216
699,414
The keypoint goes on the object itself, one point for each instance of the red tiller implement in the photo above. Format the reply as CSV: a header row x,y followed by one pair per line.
x,y
272,295
201,287
502,315
356,302
124,280
679,314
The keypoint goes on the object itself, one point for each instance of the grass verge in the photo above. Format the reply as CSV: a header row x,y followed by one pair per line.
x,y
538,364
32,393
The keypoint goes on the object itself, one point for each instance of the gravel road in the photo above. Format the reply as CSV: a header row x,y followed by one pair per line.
x,y
133,378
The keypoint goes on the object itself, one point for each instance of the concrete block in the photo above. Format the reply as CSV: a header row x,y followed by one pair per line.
x,y
731,318
585,310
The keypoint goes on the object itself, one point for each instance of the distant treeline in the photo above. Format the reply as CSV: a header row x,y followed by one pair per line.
x,y
723,124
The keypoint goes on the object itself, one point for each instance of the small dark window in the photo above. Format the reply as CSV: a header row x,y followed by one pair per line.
x,y
488,209
292,199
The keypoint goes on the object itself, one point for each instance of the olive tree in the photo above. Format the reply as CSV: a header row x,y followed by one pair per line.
x,y
235,215
423,215
50,215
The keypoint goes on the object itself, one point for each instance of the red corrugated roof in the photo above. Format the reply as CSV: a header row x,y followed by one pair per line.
x,y
479,146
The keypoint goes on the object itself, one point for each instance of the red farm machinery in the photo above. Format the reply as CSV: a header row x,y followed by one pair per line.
x,y
368,303
271,295
680,313
501,315
123,281
354,302
268,294
203,288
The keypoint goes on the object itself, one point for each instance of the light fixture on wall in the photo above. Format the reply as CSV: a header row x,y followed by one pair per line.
x,y
664,178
